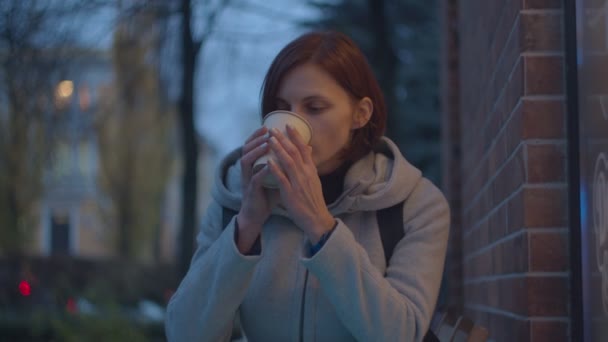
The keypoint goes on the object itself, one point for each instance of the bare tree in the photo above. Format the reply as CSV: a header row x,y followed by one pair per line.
x,y
191,46
135,128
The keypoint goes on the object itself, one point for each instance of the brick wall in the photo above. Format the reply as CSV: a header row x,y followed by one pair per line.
x,y
512,204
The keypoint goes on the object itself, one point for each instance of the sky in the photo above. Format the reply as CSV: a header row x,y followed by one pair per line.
x,y
231,67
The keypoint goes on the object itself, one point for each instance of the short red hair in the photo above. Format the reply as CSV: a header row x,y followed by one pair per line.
x,y
339,56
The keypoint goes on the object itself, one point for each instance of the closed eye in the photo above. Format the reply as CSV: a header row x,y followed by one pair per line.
x,y
316,108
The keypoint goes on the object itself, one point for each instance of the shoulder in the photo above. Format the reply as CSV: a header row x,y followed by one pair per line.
x,y
426,203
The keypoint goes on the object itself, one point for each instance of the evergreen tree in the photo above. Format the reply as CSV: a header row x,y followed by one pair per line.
x,y
401,42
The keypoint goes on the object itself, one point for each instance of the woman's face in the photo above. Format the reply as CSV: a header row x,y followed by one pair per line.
x,y
312,93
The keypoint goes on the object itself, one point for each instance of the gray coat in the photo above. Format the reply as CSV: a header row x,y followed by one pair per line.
x,y
345,292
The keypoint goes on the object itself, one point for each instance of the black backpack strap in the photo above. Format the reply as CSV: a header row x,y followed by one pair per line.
x,y
390,223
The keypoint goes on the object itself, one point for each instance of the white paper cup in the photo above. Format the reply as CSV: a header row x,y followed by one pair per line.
x,y
279,119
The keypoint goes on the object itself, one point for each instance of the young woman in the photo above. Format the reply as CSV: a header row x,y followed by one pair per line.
x,y
305,262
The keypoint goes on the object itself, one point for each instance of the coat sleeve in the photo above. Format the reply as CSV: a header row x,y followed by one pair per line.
x,y
205,304
398,306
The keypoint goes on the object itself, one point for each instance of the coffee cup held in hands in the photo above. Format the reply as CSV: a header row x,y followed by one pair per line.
x,y
279,119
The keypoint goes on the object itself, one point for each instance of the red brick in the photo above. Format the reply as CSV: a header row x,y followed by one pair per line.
x,y
547,296
545,207
498,224
511,177
548,252
478,266
542,4
515,87
494,125
515,255
507,257
541,32
546,163
544,75
504,328
481,238
497,154
543,119
505,53
515,212
514,131
548,331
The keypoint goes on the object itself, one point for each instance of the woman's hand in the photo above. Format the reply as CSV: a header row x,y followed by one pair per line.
x,y
257,201
299,184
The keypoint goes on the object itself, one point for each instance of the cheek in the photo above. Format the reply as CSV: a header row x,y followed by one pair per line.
x,y
326,144
329,136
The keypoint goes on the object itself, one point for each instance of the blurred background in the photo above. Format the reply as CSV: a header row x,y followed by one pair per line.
x,y
113,116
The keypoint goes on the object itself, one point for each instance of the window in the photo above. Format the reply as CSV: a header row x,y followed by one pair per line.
x,y
60,235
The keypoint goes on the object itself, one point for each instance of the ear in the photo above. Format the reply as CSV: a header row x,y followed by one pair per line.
x,y
363,112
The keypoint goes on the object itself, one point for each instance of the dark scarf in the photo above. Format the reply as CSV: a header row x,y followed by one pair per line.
x,y
333,183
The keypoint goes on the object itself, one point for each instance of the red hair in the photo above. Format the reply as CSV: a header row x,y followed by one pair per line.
x,y
340,57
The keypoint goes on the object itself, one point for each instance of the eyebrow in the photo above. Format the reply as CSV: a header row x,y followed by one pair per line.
x,y
307,98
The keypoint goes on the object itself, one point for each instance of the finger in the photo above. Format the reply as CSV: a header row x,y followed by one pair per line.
x,y
258,178
253,155
287,145
255,139
257,133
248,159
298,141
279,175
254,143
285,159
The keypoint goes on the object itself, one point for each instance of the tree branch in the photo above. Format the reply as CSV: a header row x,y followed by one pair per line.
x,y
211,19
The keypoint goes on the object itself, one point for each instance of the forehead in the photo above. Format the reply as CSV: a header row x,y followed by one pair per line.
x,y
309,80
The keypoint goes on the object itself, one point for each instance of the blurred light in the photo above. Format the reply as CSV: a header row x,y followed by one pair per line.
x,y
65,89
24,288
168,294
70,305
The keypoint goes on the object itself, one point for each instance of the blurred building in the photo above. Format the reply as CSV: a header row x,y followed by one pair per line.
x,y
69,218
525,85
71,215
